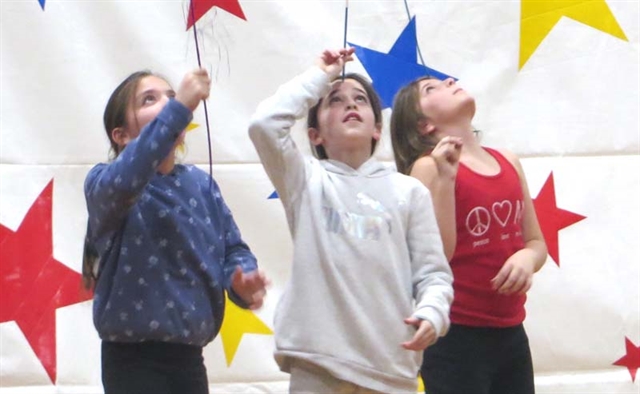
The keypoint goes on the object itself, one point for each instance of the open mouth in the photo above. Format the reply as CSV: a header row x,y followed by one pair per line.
x,y
352,116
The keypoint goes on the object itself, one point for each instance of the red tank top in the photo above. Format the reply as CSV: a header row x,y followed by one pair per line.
x,y
489,229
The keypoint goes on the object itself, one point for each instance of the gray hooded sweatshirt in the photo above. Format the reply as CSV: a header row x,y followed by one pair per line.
x,y
367,254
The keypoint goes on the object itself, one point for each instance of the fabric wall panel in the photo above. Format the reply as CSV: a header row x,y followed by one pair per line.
x,y
570,111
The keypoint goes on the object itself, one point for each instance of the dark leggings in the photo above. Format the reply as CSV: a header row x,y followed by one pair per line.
x,y
153,368
479,360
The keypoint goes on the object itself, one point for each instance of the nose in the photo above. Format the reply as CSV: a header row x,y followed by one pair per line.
x,y
351,104
449,81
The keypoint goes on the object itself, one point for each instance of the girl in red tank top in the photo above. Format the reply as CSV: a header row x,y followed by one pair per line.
x,y
490,233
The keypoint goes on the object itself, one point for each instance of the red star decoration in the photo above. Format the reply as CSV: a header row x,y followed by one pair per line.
x,y
631,360
197,8
33,284
552,219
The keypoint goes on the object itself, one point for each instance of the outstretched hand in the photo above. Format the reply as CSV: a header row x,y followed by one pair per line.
x,y
251,287
424,337
331,62
195,87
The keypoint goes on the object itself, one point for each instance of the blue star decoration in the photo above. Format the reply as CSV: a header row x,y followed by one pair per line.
x,y
41,4
391,71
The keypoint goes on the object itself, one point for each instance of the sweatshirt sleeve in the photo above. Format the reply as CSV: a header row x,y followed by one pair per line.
x,y
270,130
431,274
111,189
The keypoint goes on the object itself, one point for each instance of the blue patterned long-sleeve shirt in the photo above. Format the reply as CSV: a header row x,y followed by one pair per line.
x,y
167,244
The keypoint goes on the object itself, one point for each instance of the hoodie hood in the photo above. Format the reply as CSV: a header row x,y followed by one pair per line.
x,y
371,168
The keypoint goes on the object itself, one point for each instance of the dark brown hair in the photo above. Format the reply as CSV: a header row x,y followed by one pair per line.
x,y
374,100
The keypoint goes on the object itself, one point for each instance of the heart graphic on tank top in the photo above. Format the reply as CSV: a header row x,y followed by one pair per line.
x,y
502,211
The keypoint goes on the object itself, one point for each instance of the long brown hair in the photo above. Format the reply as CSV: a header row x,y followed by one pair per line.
x,y
407,141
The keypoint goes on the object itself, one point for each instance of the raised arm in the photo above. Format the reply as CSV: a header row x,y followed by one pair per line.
x,y
273,119
111,189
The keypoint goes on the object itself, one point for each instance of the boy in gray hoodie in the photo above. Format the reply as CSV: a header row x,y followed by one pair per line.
x,y
370,286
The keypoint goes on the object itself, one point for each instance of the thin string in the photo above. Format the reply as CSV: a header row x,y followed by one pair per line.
x,y
206,112
406,7
346,22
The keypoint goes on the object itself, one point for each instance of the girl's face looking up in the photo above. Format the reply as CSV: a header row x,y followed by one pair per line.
x,y
345,118
151,95
444,102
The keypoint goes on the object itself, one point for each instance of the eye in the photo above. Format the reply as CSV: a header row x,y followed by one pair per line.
x,y
361,98
428,89
335,99
148,99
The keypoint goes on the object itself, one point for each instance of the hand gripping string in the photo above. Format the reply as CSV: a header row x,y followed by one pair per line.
x,y
204,102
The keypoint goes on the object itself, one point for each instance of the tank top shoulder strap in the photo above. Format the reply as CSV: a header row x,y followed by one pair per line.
x,y
505,164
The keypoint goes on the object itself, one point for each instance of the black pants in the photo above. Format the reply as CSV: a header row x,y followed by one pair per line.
x,y
153,368
479,360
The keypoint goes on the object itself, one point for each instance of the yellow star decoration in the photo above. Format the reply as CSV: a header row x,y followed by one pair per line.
x,y
236,323
192,126
538,17
420,385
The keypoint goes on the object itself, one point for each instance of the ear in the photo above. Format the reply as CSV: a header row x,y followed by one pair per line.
x,y
314,136
120,136
425,128
378,133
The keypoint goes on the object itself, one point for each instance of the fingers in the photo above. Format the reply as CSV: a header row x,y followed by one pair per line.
x,y
498,281
413,345
449,147
516,284
424,337
257,299
256,280
332,56
195,87
332,61
512,279
347,54
449,139
203,82
256,305
450,144
200,71
250,286
446,154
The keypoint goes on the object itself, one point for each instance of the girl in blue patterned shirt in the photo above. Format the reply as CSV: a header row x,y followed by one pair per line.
x,y
162,248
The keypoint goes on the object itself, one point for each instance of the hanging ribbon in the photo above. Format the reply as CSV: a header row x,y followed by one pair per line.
x,y
204,102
